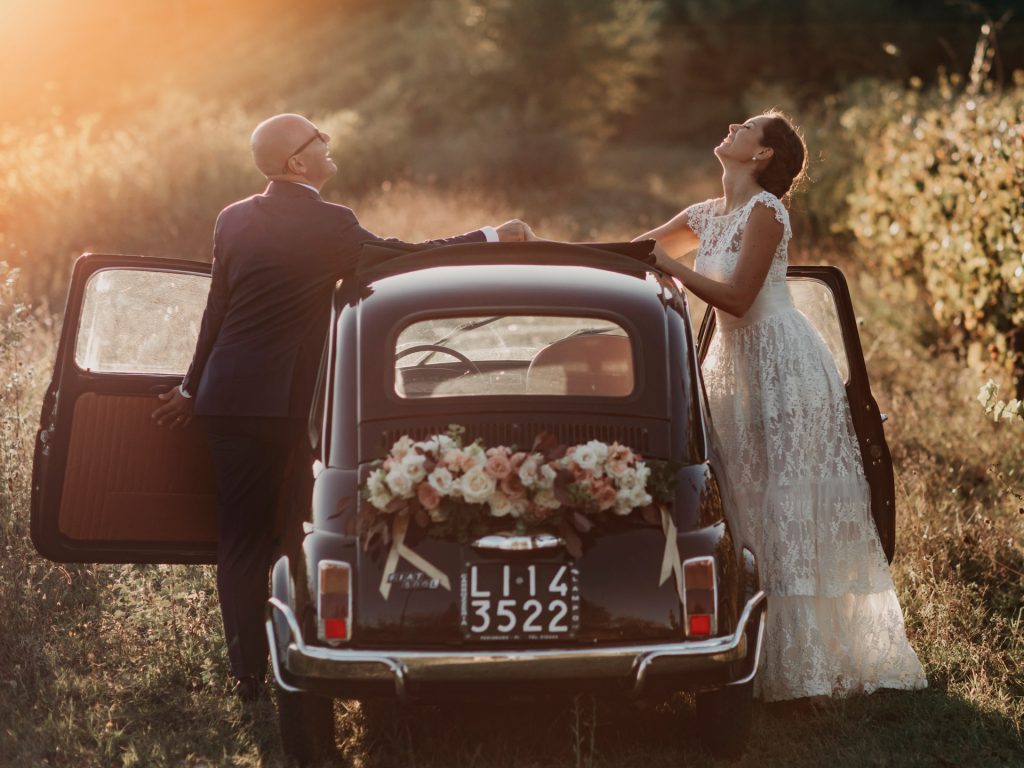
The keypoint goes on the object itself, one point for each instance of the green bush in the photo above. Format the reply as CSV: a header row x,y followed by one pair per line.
x,y
937,205
927,182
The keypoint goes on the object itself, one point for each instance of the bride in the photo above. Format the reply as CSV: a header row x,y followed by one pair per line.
x,y
834,625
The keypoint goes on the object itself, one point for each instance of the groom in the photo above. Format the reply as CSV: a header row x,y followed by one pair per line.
x,y
276,259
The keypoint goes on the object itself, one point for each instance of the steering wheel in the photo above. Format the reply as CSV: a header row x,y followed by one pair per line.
x,y
470,365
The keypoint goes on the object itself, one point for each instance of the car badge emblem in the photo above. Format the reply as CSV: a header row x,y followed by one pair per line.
x,y
413,580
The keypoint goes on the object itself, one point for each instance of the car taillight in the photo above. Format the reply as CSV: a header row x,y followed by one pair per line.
x,y
700,604
334,602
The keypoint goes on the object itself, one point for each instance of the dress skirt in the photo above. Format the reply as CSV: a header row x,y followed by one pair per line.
x,y
780,412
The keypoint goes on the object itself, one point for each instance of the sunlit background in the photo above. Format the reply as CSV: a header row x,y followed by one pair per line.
x,y
123,126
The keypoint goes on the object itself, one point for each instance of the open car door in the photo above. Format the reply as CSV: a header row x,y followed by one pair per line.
x,y
108,484
822,295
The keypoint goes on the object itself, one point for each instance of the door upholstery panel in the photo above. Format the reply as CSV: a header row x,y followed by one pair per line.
x,y
128,479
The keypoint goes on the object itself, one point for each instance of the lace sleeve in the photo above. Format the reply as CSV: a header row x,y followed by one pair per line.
x,y
770,201
697,216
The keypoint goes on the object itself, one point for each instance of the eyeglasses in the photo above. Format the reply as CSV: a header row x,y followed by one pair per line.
x,y
318,135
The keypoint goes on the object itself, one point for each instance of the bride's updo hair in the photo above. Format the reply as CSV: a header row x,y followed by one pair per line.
x,y
789,154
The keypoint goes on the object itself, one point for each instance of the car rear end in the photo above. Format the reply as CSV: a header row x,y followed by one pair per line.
x,y
626,604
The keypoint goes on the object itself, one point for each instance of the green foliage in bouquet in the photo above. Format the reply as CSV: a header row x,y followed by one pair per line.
x,y
937,207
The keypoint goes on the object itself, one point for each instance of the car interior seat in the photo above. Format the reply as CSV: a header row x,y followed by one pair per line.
x,y
583,364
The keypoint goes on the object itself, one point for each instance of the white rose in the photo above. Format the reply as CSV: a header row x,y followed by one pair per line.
x,y
430,445
441,481
412,465
381,499
639,497
401,447
643,472
528,471
591,456
628,480
624,501
399,481
477,485
501,505
375,483
445,443
546,477
615,470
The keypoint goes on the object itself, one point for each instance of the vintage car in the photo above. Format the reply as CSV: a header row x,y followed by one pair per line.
x,y
529,347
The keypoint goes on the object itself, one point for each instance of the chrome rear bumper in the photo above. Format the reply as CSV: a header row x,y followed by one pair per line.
x,y
634,664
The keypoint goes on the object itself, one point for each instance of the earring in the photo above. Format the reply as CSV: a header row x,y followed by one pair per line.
x,y
754,158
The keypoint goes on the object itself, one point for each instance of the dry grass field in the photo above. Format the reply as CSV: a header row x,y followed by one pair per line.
x,y
125,665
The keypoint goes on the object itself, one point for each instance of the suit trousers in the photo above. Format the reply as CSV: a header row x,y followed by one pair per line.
x,y
250,455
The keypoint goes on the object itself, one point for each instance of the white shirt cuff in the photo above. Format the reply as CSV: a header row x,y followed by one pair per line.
x,y
183,393
490,233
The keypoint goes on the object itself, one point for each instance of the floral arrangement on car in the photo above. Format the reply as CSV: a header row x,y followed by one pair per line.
x,y
454,489
459,491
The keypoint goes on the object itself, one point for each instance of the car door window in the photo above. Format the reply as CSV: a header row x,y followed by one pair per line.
x,y
815,300
135,321
110,484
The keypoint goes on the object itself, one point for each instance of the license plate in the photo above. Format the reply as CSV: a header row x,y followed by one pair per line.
x,y
506,601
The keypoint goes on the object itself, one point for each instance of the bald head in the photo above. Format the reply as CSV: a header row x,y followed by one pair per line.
x,y
276,138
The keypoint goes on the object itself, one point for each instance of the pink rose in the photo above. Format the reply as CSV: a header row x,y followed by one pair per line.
x,y
604,494
451,459
473,456
620,453
619,459
428,496
498,465
517,459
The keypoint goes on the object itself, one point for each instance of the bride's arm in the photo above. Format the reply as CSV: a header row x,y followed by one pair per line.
x,y
675,236
760,239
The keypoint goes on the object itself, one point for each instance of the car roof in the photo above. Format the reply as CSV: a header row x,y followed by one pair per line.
x,y
558,277
382,258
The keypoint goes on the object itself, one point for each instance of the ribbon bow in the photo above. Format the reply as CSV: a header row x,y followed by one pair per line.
x,y
670,563
399,551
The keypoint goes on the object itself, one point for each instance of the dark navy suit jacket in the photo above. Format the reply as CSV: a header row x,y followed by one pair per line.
x,y
276,259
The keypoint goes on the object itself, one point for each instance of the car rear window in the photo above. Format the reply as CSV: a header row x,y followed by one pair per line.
x,y
514,355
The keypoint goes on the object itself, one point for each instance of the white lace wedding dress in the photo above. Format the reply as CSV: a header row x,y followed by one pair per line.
x,y
779,408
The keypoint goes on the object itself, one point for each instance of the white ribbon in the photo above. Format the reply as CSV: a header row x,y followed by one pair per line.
x,y
399,551
670,563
